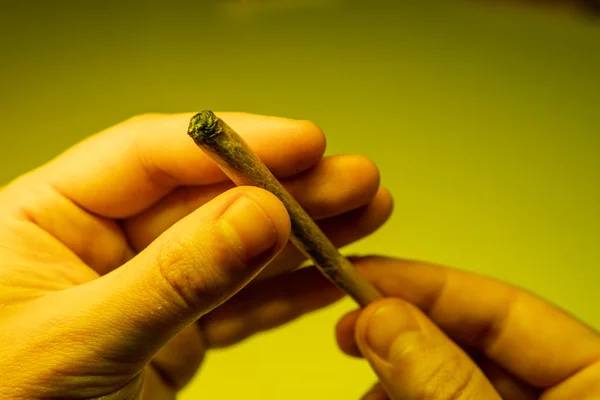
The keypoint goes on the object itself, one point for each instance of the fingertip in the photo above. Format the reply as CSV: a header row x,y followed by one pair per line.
x,y
314,137
353,179
380,208
307,147
273,208
386,200
367,172
381,323
344,333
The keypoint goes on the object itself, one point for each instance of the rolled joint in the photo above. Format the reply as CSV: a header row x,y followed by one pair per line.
x,y
204,126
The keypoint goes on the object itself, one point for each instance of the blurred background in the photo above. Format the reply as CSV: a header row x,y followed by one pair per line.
x,y
484,118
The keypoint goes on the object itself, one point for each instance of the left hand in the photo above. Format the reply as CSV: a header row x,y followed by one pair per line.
x,y
446,334
81,312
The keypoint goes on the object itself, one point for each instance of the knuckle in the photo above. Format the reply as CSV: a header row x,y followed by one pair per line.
x,y
183,267
464,383
451,380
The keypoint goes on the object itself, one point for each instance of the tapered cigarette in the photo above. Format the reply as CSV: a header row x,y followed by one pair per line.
x,y
233,155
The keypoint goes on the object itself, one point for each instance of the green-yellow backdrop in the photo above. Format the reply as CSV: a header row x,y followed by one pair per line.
x,y
485,122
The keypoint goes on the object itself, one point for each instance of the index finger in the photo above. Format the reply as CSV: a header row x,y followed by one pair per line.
x,y
123,170
529,337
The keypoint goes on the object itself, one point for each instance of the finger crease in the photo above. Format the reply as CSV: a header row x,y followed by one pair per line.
x,y
156,175
164,376
464,385
489,332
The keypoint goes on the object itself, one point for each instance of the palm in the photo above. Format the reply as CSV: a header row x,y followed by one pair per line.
x,y
66,225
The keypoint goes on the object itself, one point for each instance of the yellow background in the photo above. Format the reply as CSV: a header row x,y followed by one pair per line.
x,y
485,122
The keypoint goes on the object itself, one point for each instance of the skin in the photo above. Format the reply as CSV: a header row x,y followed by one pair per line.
x,y
123,260
445,334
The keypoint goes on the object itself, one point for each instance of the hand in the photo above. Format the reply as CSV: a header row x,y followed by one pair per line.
x,y
111,253
448,334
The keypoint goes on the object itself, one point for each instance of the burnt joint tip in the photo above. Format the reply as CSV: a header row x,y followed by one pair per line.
x,y
204,126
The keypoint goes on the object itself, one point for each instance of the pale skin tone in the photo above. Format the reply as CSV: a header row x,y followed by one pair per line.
x,y
123,261
449,335
119,256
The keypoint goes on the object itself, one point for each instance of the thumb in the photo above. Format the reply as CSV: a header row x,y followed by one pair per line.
x,y
413,358
190,269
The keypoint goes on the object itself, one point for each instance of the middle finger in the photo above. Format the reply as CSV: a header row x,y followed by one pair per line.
x,y
336,185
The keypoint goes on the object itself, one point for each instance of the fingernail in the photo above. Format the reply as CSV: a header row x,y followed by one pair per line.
x,y
386,324
249,228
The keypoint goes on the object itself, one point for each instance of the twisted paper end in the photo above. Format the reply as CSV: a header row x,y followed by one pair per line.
x,y
204,126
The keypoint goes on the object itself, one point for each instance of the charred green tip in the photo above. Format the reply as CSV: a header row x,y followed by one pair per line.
x,y
204,126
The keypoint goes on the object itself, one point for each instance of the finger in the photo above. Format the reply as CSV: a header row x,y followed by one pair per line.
x,y
344,334
144,228
336,185
72,226
341,230
154,388
413,358
583,385
254,309
375,393
125,169
266,305
528,337
361,222
193,267
505,384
